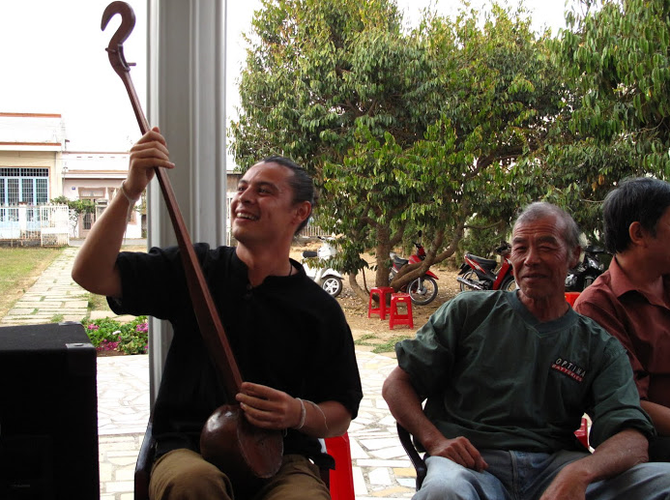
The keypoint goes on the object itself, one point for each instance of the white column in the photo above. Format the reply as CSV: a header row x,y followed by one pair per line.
x,y
186,99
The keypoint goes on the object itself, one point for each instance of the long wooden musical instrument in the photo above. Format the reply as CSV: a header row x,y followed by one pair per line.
x,y
242,451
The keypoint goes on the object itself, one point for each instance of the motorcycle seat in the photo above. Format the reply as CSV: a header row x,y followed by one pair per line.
x,y
399,261
307,254
485,263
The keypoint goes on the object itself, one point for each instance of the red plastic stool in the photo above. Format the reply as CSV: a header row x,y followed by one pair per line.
x,y
395,318
571,297
342,478
381,292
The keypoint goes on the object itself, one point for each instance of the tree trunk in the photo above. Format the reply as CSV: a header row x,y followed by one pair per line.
x,y
360,292
382,251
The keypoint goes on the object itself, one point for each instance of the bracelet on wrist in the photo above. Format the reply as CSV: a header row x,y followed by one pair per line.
x,y
303,415
131,201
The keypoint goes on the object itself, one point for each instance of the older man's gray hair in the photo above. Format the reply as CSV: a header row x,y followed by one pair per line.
x,y
541,209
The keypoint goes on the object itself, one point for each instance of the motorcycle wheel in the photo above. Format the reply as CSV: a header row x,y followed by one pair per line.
x,y
332,285
470,276
423,290
509,285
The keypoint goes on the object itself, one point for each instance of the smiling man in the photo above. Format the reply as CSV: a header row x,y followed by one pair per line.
x,y
289,337
506,378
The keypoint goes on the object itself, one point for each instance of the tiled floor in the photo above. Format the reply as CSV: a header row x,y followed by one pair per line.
x,y
379,464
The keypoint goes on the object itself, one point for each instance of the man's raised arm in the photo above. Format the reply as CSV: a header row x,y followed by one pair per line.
x,y
95,266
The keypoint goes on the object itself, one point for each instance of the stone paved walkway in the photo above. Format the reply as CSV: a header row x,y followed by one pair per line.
x,y
379,464
53,296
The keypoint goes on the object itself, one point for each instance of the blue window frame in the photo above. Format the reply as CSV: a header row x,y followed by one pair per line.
x,y
24,185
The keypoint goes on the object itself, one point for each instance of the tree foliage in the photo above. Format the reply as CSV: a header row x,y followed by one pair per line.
x,y
403,130
75,207
615,57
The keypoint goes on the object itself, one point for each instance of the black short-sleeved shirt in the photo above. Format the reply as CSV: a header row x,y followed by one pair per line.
x,y
286,333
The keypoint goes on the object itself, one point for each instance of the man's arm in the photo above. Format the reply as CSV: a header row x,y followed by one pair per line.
x,y
95,266
614,456
660,416
405,406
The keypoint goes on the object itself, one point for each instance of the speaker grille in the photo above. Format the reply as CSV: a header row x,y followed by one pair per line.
x,y
48,413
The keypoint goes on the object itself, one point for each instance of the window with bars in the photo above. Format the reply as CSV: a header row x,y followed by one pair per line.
x,y
24,185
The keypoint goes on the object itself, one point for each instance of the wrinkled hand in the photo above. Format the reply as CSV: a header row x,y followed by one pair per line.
x,y
565,486
268,408
461,451
149,152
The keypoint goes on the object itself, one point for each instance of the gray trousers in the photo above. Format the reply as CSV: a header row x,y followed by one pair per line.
x,y
514,475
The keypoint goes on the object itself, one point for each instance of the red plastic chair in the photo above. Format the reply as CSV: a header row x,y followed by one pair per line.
x,y
342,478
583,433
398,318
571,297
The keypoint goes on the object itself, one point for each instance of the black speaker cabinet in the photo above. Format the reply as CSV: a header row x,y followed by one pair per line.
x,y
48,413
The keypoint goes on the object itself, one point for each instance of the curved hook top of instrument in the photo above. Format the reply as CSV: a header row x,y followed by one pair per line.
x,y
115,47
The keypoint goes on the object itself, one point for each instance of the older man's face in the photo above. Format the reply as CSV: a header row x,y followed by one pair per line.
x,y
541,257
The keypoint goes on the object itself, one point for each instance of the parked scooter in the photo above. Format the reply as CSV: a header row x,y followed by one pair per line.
x,y
423,289
478,273
329,279
586,271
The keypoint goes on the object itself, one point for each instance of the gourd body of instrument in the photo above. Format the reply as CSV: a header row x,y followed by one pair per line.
x,y
250,445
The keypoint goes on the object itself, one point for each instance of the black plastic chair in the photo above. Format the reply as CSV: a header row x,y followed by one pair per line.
x,y
145,459
415,457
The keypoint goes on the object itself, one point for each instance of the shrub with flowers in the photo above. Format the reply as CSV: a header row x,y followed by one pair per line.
x,y
107,334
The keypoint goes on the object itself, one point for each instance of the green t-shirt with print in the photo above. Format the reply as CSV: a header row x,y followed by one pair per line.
x,y
490,371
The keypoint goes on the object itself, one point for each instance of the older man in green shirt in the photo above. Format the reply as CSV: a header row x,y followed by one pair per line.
x,y
507,376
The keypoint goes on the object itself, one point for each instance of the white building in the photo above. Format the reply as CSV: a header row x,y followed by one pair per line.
x,y
31,147
97,177
35,167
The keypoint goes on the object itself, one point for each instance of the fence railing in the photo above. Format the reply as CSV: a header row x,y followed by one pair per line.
x,y
312,232
48,224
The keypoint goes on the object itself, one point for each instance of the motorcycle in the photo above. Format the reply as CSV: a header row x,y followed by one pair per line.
x,y
329,279
478,273
586,271
423,289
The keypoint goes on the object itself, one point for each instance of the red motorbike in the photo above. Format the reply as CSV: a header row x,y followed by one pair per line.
x,y
478,273
423,289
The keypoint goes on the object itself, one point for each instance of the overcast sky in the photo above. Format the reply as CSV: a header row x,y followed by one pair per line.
x,y
53,58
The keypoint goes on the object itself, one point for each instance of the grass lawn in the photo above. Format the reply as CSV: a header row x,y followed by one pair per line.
x,y
21,266
19,269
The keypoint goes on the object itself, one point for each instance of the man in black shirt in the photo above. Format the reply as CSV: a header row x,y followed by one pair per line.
x,y
290,338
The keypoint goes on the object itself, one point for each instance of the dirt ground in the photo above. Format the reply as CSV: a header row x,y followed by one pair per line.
x,y
374,333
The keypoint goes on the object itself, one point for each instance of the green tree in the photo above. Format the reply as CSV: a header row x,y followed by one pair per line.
x,y
616,58
76,207
403,130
